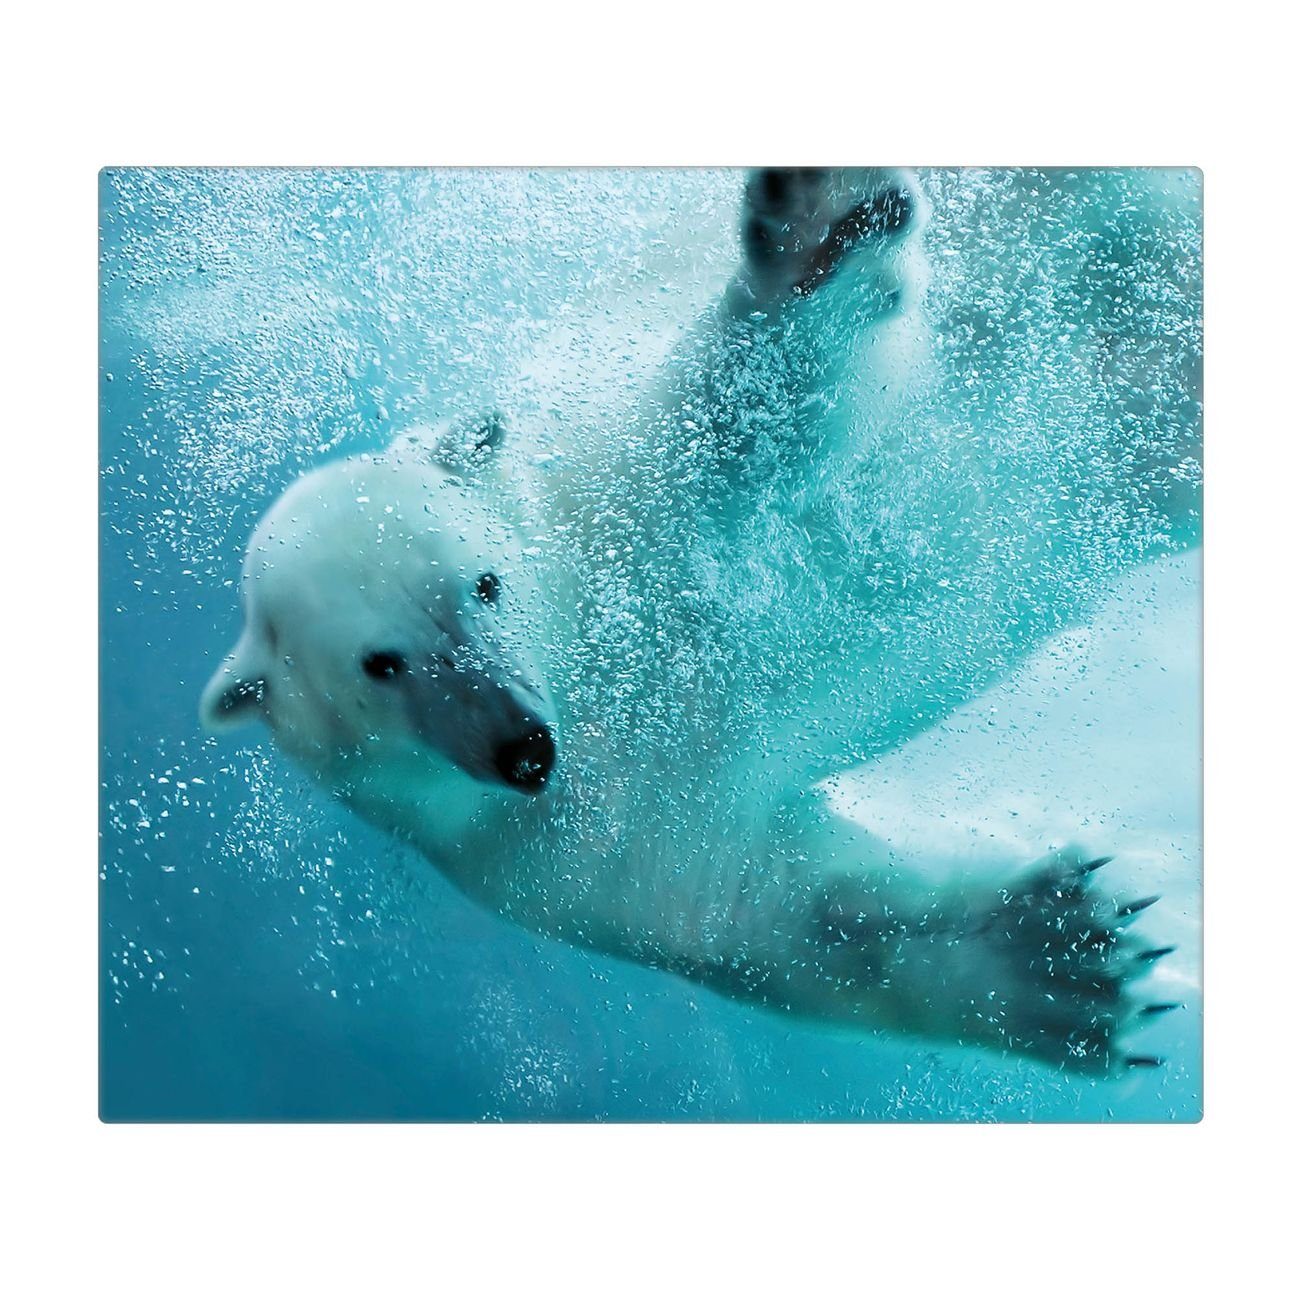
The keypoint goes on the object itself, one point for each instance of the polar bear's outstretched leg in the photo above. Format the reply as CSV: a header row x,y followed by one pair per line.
x,y
802,225
821,308
1043,967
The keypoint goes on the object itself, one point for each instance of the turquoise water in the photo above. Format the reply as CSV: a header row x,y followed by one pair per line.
x,y
266,955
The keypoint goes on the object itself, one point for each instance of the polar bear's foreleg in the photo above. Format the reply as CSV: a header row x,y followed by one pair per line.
x,y
1044,966
831,267
1047,965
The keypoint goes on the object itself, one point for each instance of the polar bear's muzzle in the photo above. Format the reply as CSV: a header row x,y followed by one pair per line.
x,y
492,720
525,762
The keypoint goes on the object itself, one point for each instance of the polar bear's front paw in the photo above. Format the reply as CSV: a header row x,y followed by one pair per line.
x,y
800,223
1062,963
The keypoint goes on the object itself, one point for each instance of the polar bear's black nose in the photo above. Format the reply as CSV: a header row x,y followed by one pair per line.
x,y
526,761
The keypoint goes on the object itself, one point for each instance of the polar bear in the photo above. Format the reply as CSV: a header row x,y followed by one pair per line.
x,y
598,690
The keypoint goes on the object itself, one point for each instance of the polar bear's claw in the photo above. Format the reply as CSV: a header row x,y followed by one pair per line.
x,y
1153,955
1130,909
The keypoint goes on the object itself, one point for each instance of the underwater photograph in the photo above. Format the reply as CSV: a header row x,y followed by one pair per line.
x,y
679,645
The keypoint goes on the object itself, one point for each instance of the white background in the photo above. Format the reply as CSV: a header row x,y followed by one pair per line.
x,y
634,1211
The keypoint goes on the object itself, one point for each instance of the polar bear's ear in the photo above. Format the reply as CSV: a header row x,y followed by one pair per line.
x,y
236,693
485,433
459,445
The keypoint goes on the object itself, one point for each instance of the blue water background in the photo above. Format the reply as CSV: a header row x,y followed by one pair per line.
x,y
266,956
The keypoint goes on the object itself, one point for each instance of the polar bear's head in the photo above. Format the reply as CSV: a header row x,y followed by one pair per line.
x,y
389,629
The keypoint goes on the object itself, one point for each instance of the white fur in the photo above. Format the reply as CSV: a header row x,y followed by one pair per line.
x,y
675,607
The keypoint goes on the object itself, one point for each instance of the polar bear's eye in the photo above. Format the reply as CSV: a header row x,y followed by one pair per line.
x,y
383,665
488,588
